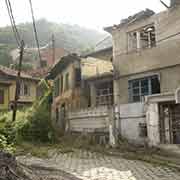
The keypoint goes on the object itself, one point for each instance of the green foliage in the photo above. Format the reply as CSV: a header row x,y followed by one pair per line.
x,y
5,145
5,58
32,124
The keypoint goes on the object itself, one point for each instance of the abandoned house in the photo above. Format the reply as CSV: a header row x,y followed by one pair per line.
x,y
146,60
104,54
28,88
77,85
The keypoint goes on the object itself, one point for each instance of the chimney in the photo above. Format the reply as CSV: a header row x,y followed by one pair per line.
x,y
174,2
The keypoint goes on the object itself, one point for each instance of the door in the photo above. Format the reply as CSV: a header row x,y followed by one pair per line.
x,y
170,123
63,117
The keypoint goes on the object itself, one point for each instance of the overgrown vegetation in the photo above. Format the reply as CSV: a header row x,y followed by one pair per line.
x,y
32,124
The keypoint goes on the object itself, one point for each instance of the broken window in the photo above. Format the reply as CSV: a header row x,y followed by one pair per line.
x,y
139,88
142,38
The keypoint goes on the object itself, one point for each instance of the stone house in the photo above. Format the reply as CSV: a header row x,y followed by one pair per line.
x,y
28,91
74,88
146,62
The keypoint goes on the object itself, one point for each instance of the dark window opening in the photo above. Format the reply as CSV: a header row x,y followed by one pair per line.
x,y
77,77
1,96
62,83
143,130
142,38
43,64
57,115
26,90
67,81
56,87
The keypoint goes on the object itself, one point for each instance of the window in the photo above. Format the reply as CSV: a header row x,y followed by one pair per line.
x,y
67,81
142,38
77,77
56,87
139,88
43,63
24,89
62,83
57,115
1,96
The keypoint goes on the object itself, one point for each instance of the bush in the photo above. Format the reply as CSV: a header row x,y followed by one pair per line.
x,y
4,144
32,124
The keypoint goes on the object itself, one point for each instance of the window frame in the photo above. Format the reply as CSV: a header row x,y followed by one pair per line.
x,y
141,95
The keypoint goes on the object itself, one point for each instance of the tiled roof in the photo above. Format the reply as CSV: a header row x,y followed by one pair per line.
x,y
13,73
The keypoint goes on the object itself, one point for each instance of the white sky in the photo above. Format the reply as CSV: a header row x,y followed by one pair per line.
x,y
94,14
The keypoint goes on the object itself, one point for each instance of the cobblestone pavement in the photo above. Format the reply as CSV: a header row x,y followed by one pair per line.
x,y
94,166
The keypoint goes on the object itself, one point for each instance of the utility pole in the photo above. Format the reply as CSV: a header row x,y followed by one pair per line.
x,y
18,81
53,49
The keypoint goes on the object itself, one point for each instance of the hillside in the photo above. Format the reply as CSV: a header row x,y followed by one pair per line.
x,y
70,37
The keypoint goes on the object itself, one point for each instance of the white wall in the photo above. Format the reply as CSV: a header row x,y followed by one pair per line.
x,y
89,120
130,117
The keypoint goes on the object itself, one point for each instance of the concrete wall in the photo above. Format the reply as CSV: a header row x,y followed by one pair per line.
x,y
159,59
169,82
126,119
89,120
131,115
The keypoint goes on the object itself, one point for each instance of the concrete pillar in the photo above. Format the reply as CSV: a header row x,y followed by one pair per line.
x,y
138,35
116,92
152,119
93,94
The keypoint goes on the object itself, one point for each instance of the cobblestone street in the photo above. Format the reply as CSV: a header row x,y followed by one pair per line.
x,y
94,166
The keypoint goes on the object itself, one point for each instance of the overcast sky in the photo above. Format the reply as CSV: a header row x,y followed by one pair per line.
x,y
94,14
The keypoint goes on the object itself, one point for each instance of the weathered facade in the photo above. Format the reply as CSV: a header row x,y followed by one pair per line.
x,y
28,91
73,85
146,59
104,54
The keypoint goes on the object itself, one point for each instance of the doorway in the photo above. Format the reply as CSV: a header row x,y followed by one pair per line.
x,y
169,123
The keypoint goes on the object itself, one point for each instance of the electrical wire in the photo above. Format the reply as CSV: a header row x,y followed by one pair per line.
x,y
35,30
13,24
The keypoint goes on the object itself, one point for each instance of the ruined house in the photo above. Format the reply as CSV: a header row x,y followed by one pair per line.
x,y
104,54
77,86
146,61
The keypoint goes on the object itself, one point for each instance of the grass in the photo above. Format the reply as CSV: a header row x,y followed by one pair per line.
x,y
35,149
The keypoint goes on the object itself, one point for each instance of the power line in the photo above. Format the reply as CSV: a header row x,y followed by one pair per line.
x,y
35,30
13,24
